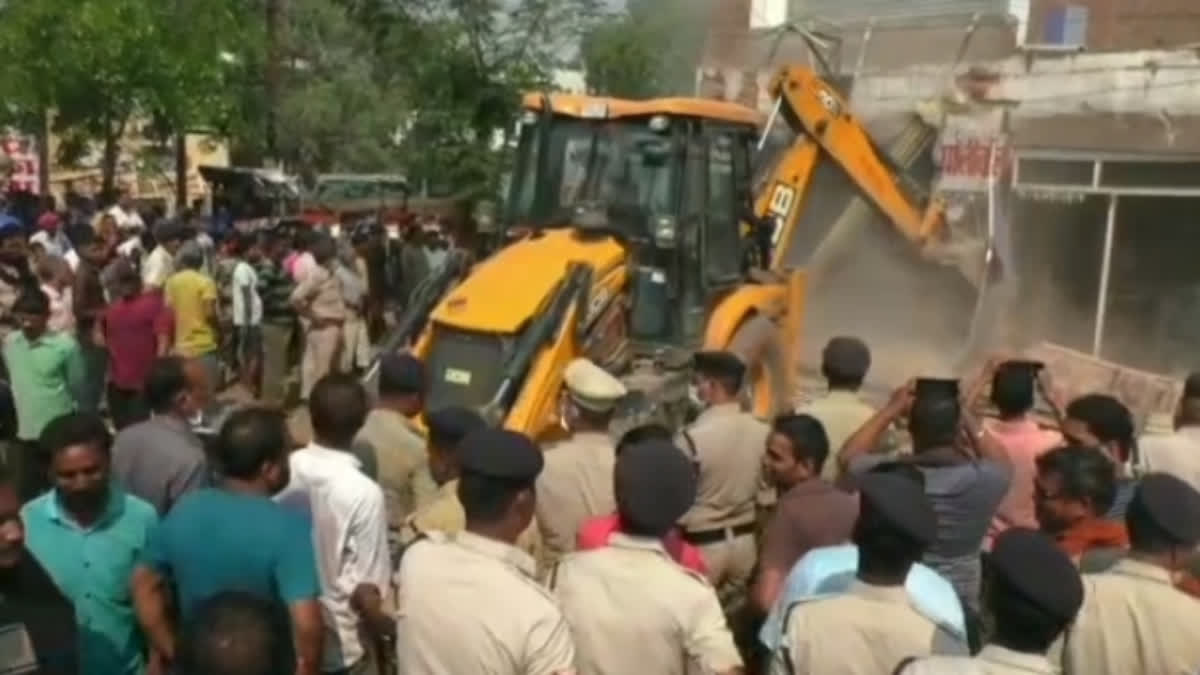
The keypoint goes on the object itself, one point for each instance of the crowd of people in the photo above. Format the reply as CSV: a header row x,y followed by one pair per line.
x,y
916,538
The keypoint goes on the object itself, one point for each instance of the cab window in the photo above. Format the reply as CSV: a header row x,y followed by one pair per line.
x,y
722,245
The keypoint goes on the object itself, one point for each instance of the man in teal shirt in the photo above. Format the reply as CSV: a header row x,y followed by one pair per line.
x,y
46,371
88,535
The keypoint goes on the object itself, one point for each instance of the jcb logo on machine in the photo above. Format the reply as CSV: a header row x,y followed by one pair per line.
x,y
781,200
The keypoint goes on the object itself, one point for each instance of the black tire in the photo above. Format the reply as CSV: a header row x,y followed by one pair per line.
x,y
759,343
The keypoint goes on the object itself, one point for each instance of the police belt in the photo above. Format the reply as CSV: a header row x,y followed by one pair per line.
x,y
701,537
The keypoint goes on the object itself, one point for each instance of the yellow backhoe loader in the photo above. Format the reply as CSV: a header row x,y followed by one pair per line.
x,y
637,236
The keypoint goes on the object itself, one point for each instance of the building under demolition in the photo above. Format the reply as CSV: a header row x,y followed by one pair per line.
x,y
1082,168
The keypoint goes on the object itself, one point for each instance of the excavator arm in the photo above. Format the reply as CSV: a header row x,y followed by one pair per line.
x,y
823,130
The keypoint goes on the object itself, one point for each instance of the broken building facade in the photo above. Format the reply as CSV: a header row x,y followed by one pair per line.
x,y
1091,145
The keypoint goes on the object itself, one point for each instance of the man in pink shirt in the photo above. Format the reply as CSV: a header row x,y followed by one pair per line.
x,y
1021,439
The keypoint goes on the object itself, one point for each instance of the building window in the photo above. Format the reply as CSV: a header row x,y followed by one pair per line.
x,y
1067,26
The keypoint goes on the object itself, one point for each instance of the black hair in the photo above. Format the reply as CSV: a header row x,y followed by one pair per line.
x,y
191,257
1020,624
1107,418
338,407
448,426
249,439
883,549
323,247
486,499
1145,535
1012,390
1085,473
933,422
236,633
731,383
644,432
33,301
845,362
75,428
807,437
166,379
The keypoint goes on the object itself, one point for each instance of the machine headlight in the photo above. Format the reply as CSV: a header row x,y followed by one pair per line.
x,y
529,118
665,232
660,123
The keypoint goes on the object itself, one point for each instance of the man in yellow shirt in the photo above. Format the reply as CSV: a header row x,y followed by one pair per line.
x,y
192,296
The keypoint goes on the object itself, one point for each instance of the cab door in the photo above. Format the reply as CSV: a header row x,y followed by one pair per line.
x,y
720,240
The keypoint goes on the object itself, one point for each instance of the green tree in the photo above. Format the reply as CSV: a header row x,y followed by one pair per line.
x,y
463,65
100,64
651,48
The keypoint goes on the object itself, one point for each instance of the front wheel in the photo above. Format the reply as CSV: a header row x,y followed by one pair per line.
x,y
758,342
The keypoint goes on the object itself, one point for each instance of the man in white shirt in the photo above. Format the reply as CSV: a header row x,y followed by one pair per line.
x,y
126,215
160,264
247,308
1177,453
349,527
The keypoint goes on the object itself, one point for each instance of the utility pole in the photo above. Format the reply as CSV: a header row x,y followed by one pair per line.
x,y
276,48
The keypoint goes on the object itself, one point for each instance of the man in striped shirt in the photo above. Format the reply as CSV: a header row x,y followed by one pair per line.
x,y
278,316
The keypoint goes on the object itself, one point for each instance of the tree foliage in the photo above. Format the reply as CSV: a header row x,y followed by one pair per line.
x,y
99,63
648,49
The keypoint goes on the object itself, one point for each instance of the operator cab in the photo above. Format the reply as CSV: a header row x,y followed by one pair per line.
x,y
669,178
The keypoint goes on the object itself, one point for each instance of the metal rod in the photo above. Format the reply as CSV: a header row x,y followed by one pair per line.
x,y
762,140
1110,227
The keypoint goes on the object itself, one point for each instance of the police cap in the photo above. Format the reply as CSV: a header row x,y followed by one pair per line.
x,y
1172,504
450,425
901,502
1032,565
591,387
654,484
719,364
500,453
401,373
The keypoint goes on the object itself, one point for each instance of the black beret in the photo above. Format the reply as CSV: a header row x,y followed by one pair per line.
x,y
1172,504
450,425
1032,565
901,502
402,372
655,484
719,364
848,354
500,453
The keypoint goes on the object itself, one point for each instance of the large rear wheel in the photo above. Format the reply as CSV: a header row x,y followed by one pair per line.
x,y
759,343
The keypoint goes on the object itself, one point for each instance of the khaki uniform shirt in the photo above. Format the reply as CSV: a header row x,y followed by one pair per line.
x,y
401,465
842,413
729,445
575,485
632,609
1133,621
444,513
991,660
468,604
322,293
868,630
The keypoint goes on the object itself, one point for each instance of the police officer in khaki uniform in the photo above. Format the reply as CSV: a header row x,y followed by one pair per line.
x,y
726,446
577,483
872,626
1133,619
1034,592
444,513
318,301
631,607
468,601
841,411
